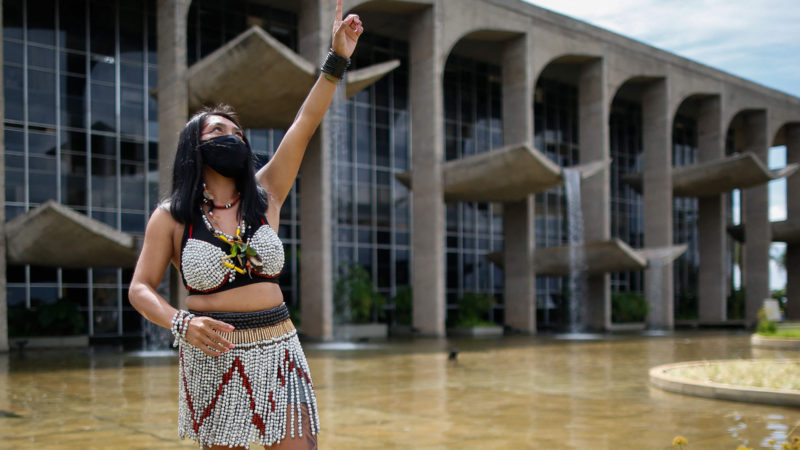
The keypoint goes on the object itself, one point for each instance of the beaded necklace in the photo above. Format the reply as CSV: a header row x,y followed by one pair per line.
x,y
239,228
242,257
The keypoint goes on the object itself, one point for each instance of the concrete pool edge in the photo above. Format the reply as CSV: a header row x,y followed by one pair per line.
x,y
660,378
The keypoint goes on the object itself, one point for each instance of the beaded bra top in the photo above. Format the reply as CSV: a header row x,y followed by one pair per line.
x,y
212,261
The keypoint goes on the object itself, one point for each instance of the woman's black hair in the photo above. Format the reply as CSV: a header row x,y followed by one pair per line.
x,y
187,173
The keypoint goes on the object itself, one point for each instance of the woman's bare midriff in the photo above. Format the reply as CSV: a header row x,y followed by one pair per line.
x,y
253,297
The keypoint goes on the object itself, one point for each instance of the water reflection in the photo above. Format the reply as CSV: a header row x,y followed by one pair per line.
x,y
518,392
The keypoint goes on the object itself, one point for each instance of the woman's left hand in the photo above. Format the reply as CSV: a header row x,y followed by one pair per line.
x,y
345,32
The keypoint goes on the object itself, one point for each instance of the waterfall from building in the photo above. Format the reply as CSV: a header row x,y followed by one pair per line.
x,y
336,132
577,256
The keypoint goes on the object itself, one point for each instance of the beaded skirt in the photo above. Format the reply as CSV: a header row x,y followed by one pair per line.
x,y
251,394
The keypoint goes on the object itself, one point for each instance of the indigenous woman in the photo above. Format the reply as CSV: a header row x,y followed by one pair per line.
x,y
243,377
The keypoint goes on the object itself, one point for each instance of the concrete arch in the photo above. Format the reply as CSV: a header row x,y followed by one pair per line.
x,y
622,71
735,103
684,84
633,86
703,106
394,7
574,61
481,40
777,121
689,99
779,136
482,21
736,121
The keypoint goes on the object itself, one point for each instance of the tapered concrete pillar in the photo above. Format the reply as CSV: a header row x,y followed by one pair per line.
x,y
316,266
792,309
518,217
711,221
594,145
3,287
427,142
755,217
173,105
657,201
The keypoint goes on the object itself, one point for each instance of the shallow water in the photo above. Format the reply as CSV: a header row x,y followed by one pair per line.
x,y
517,392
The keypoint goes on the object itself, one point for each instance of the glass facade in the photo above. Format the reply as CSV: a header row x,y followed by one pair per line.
x,y
372,211
556,135
685,212
81,129
627,220
213,23
473,124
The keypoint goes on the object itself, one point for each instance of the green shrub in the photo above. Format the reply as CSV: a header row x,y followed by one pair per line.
x,y
765,326
61,318
403,304
473,310
628,306
355,299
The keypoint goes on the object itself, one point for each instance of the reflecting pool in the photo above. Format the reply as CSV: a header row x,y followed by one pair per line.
x,y
513,392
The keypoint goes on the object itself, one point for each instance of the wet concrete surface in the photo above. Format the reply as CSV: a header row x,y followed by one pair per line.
x,y
583,391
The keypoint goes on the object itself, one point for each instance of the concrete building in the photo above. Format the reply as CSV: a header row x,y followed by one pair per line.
x,y
448,149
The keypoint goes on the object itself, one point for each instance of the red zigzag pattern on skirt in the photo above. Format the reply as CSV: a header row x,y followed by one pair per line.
x,y
237,366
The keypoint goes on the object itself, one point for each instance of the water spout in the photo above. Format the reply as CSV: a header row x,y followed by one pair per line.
x,y
156,338
577,256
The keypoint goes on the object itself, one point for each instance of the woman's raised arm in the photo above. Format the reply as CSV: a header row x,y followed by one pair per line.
x,y
278,176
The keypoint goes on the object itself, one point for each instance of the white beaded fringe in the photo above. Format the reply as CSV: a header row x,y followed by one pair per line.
x,y
220,413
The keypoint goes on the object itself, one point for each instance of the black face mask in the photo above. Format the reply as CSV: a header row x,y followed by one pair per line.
x,y
227,155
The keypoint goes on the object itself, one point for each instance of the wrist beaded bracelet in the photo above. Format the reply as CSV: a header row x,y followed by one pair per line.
x,y
334,66
180,322
185,327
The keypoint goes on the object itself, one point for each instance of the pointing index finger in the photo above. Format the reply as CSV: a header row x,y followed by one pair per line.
x,y
339,10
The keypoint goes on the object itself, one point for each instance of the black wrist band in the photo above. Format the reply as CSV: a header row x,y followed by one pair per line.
x,y
335,65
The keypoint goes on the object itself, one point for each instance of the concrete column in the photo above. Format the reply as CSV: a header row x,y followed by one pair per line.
x,y
316,265
518,217
3,288
594,145
657,190
427,142
755,217
792,309
711,222
173,106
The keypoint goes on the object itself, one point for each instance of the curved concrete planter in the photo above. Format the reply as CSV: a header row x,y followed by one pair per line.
x,y
627,326
660,378
475,332
354,332
49,341
773,342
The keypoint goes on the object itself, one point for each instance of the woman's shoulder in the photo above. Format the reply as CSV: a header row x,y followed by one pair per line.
x,y
162,217
164,205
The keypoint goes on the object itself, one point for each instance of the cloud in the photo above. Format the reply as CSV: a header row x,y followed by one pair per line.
x,y
759,41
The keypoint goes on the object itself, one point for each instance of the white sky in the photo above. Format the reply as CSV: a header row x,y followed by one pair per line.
x,y
758,40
